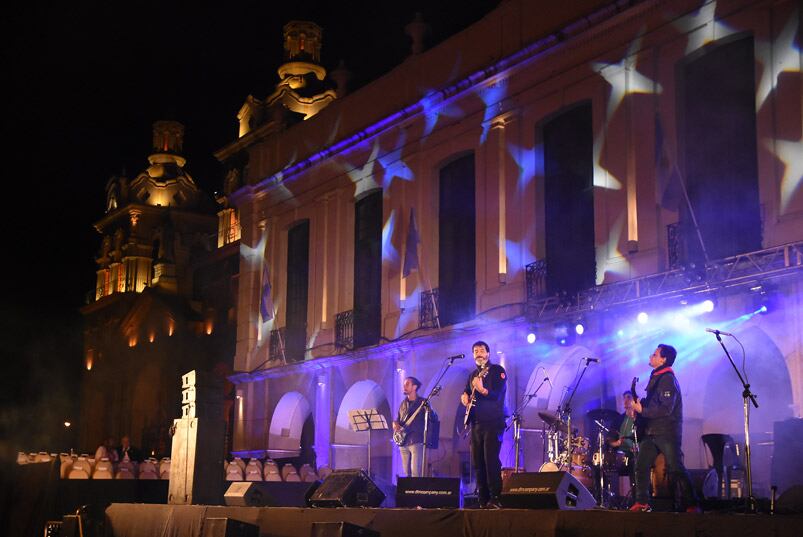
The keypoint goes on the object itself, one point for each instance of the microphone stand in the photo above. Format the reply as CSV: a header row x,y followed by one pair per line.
x,y
747,398
516,423
567,410
427,409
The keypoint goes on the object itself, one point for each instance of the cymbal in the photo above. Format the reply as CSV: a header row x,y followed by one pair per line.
x,y
553,420
603,415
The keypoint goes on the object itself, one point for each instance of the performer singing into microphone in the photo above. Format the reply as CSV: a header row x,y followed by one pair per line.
x,y
412,447
486,387
662,413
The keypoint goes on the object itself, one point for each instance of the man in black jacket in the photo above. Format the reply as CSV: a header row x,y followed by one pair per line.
x,y
661,413
487,383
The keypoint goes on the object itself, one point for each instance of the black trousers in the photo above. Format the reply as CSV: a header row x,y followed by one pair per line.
x,y
649,448
486,441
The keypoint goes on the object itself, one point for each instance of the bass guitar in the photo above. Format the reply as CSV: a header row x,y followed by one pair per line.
x,y
400,435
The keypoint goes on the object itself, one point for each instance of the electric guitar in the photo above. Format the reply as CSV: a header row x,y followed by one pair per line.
x,y
472,400
400,435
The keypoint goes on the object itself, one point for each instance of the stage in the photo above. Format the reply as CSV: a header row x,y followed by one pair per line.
x,y
139,520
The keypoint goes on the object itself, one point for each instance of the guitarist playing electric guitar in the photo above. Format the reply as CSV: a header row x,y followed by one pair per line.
x,y
408,428
485,393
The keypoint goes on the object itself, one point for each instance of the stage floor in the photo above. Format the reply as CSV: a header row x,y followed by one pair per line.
x,y
142,520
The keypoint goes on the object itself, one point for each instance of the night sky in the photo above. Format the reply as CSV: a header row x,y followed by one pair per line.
x,y
86,84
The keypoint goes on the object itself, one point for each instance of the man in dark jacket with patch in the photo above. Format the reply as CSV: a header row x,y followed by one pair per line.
x,y
661,415
486,412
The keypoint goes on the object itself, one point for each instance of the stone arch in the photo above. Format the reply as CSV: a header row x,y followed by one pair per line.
x,y
362,394
287,425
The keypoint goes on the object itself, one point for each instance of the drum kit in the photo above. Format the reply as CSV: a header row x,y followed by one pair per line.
x,y
592,463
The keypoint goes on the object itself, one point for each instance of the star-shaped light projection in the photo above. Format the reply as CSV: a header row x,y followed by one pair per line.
x,y
394,165
529,162
702,27
779,57
363,177
624,78
610,258
389,252
791,154
603,178
434,106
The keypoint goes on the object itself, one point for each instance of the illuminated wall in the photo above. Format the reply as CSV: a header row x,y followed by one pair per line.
x,y
399,132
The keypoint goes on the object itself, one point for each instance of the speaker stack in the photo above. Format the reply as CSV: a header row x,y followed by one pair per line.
x,y
432,492
545,490
269,494
347,488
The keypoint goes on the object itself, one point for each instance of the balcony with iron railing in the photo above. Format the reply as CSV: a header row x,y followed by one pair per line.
x,y
344,331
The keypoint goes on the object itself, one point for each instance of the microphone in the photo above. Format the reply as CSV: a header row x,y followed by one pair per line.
x,y
549,381
456,357
590,359
718,332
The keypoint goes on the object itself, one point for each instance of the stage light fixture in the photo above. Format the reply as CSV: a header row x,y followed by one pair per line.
x,y
531,337
564,335
579,328
642,317
708,306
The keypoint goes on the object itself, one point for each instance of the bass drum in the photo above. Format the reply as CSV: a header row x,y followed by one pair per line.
x,y
583,474
549,467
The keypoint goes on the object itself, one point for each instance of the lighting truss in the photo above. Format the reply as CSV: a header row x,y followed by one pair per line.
x,y
730,273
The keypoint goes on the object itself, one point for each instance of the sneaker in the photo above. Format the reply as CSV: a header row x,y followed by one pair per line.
x,y
640,507
493,504
694,509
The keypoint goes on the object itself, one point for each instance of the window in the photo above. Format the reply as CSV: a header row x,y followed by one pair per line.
x,y
717,141
569,200
457,248
368,269
297,290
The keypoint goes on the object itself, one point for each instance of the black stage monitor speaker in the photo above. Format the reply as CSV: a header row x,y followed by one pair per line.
x,y
347,488
341,529
428,492
269,493
228,527
545,490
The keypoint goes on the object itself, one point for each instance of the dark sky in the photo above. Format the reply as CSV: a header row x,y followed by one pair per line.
x,y
87,83
82,87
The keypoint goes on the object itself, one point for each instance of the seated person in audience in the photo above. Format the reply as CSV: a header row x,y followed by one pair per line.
x,y
107,450
127,451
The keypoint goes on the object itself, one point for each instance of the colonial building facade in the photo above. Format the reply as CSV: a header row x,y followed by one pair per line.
x,y
164,301
539,170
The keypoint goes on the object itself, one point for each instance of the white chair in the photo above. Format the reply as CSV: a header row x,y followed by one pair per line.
x,y
323,472
234,472
307,473
104,469
289,473
148,469
253,470
239,462
66,461
271,471
164,468
126,470
43,456
81,468
22,458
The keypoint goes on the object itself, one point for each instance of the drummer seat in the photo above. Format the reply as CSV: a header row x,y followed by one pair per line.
x,y
717,443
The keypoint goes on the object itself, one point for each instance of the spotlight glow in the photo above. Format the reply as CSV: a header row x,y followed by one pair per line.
x,y
642,318
708,306
580,329
531,338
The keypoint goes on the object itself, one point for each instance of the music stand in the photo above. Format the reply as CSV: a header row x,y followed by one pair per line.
x,y
367,419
